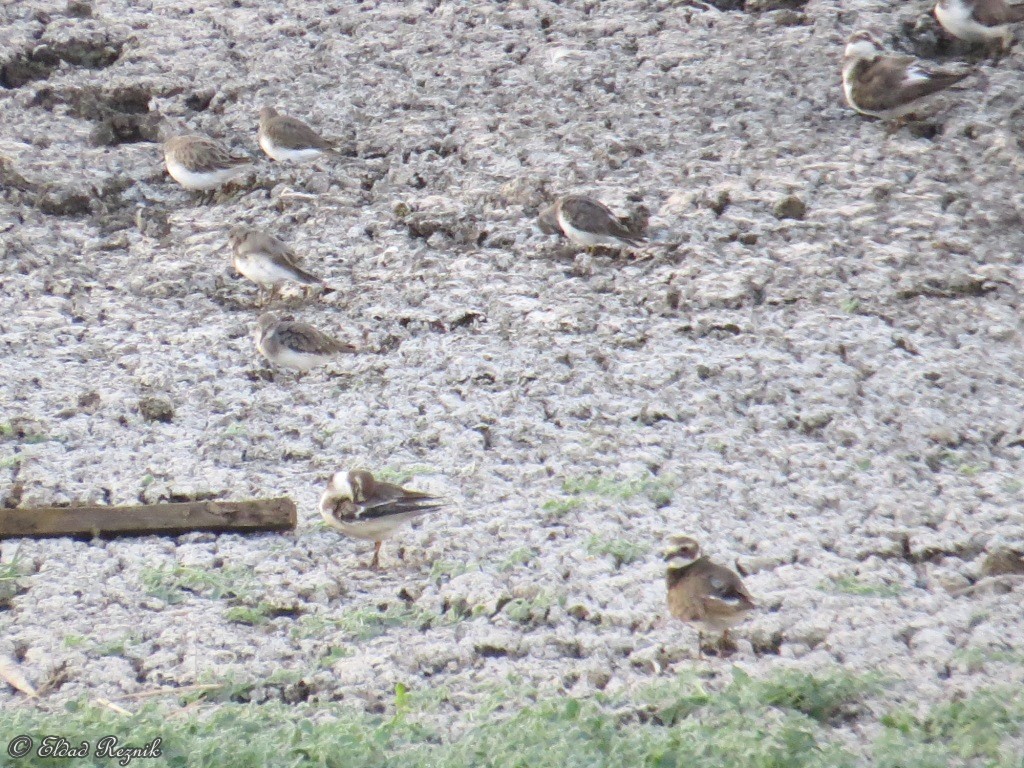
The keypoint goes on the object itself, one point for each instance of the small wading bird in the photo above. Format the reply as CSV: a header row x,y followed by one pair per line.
x,y
200,164
589,222
980,21
287,139
267,261
703,592
361,506
888,87
290,344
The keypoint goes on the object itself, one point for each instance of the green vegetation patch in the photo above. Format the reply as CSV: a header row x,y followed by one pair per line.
x,y
365,623
851,585
577,490
11,581
171,584
988,726
622,551
785,721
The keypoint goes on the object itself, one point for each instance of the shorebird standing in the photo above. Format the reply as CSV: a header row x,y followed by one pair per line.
x,y
201,164
888,87
701,591
359,505
288,139
589,222
980,21
265,260
289,344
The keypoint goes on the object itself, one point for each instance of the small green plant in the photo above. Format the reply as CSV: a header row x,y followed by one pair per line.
x,y
253,616
115,647
517,557
983,725
74,641
11,575
334,654
975,659
716,446
619,490
863,464
534,610
850,306
622,551
445,570
11,461
658,490
368,622
851,585
821,697
171,583
557,508
963,462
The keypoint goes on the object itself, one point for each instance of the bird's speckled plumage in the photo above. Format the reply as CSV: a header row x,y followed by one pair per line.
x,y
265,260
292,344
286,138
201,164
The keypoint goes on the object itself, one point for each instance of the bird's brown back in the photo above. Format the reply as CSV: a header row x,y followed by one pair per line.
x,y
881,85
995,13
695,591
593,216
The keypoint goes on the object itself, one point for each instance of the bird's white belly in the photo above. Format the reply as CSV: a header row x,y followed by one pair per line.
x,y
303,361
204,181
956,19
721,623
588,239
283,155
372,530
884,114
263,271
848,91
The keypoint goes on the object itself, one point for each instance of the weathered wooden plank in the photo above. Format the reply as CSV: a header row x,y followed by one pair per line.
x,y
162,519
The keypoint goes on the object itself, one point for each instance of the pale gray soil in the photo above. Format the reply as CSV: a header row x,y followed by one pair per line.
x,y
833,401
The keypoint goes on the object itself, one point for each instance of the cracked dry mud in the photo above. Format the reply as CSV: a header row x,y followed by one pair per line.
x,y
818,372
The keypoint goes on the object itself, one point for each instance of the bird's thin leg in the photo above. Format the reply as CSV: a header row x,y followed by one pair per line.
x,y
725,644
897,124
375,562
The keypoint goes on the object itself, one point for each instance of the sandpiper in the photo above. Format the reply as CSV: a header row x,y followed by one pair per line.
x,y
267,261
589,222
288,139
290,344
200,164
